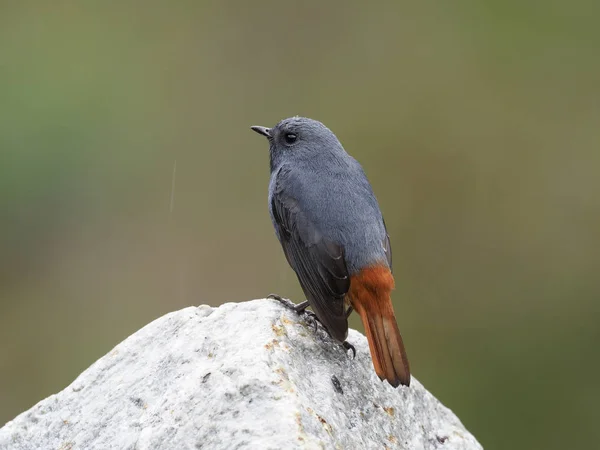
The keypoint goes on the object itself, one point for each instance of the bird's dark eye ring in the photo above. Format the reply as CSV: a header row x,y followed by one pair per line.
x,y
290,138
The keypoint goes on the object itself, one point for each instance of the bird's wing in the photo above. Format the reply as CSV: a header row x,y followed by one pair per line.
x,y
318,262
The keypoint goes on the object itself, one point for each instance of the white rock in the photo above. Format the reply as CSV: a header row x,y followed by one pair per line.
x,y
243,375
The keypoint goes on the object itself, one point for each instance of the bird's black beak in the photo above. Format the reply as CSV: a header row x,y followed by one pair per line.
x,y
262,130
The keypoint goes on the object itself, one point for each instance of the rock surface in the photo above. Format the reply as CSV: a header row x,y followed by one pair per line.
x,y
243,375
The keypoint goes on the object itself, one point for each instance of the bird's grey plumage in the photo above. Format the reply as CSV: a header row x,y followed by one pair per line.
x,y
325,215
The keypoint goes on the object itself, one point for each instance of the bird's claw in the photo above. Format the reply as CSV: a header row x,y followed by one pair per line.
x,y
348,346
312,319
300,308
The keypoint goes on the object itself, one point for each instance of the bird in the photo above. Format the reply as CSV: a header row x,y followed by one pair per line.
x,y
334,237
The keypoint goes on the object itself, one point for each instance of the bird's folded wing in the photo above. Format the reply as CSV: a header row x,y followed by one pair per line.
x,y
319,263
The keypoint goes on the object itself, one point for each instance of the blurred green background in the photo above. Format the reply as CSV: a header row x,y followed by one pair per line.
x,y
478,124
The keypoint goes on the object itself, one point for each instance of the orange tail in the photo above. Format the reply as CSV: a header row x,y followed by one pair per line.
x,y
370,296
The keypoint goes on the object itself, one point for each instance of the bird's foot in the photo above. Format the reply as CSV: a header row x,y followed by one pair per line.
x,y
312,320
300,308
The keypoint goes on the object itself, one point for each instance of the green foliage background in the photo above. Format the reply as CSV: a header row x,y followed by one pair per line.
x,y
477,123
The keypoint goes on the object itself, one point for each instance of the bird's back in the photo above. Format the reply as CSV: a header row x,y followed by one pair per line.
x,y
338,200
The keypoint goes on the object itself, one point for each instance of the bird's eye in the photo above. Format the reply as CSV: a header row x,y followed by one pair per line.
x,y
290,138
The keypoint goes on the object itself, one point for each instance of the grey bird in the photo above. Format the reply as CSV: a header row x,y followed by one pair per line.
x,y
333,235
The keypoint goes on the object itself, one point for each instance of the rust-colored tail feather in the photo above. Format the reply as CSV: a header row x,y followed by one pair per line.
x,y
370,296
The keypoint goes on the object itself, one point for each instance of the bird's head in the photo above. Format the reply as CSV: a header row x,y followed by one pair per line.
x,y
298,138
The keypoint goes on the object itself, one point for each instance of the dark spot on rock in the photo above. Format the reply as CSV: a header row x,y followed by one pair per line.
x,y
441,439
137,401
246,390
337,385
206,377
